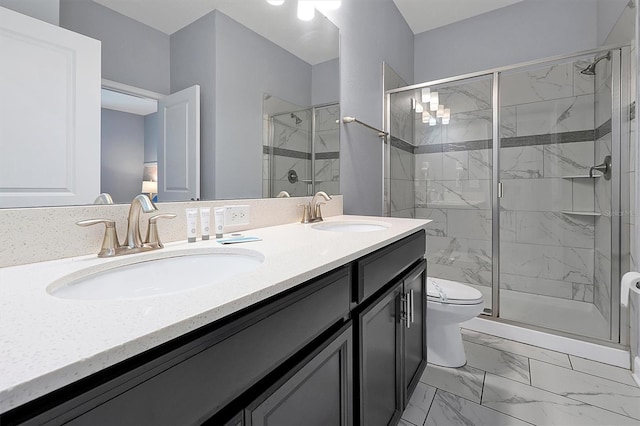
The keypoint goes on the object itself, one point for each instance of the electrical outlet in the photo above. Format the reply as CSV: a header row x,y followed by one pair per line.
x,y
236,215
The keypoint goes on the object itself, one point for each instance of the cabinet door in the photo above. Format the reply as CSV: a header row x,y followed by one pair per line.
x,y
379,360
49,114
415,340
317,392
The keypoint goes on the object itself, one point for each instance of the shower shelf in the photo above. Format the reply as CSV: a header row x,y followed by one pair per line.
x,y
581,213
581,177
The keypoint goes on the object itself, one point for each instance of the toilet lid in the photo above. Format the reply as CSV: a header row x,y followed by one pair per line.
x,y
451,292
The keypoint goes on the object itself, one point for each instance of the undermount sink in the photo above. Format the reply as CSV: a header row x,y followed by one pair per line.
x,y
351,226
155,275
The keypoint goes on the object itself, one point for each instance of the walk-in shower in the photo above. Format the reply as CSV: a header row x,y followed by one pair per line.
x,y
301,151
501,162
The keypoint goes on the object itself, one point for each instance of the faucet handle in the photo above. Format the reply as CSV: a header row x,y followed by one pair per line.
x,y
306,212
110,241
318,212
152,238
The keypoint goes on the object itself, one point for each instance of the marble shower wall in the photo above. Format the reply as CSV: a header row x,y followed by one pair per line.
x,y
401,156
547,133
292,151
327,147
602,258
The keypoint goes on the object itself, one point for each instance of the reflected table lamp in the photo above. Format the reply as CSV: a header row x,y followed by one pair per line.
x,y
149,187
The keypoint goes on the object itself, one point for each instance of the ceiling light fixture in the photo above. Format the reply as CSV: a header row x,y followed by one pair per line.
x,y
275,2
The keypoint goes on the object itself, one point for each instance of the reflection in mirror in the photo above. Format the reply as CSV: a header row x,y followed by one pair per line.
x,y
236,51
301,148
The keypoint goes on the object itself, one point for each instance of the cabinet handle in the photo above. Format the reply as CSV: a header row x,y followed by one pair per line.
x,y
407,299
411,311
404,313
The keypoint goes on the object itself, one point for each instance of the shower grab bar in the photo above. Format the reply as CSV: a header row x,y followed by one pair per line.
x,y
381,133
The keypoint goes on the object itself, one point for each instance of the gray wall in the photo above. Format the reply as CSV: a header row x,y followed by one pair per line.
x,y
371,32
122,152
325,82
608,12
193,62
532,29
134,54
45,10
247,66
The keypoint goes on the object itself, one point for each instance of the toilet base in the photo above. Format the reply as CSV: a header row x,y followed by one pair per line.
x,y
444,346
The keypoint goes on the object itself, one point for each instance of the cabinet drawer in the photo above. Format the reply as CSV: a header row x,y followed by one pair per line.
x,y
190,391
382,266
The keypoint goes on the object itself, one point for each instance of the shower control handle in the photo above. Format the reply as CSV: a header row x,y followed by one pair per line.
x,y
604,168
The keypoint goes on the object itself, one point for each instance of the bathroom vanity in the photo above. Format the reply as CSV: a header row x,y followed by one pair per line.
x,y
329,329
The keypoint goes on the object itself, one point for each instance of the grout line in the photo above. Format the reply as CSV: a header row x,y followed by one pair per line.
x,y
564,396
435,394
484,378
588,374
530,376
570,363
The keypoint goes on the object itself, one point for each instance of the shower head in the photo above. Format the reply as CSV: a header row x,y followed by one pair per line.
x,y
298,119
591,69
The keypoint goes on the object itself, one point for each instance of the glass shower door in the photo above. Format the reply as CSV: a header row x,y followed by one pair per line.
x,y
441,169
555,226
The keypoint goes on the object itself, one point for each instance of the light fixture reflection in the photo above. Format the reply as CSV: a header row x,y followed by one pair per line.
x,y
324,5
306,10
426,95
419,108
426,117
440,111
432,121
275,2
434,101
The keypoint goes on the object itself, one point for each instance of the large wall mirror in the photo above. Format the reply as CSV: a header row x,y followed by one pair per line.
x,y
268,92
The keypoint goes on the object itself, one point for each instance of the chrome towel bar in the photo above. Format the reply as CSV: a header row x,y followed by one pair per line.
x,y
381,133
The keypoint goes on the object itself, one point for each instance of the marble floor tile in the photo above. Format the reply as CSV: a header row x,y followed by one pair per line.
x,y
419,404
515,367
448,409
599,369
464,381
541,407
517,348
613,396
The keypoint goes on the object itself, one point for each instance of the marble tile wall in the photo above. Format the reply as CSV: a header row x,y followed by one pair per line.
x,y
544,251
631,219
292,151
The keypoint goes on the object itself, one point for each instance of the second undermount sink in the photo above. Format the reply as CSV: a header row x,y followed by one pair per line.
x,y
351,226
156,275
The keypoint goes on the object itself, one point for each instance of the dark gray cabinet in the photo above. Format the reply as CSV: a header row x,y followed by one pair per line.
x,y
390,338
316,392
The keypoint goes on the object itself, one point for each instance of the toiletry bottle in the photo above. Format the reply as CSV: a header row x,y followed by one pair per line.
x,y
219,222
192,220
205,219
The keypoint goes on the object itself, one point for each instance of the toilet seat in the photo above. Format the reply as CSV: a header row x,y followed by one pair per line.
x,y
452,293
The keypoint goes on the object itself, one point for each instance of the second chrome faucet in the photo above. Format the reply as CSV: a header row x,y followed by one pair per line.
x,y
311,211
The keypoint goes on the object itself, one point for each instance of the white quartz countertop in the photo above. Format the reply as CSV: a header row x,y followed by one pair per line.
x,y
48,342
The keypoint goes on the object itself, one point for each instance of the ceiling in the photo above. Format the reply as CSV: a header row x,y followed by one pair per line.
x,y
306,40
425,15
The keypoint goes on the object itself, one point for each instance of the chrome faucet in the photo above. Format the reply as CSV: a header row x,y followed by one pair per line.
x,y
133,243
311,211
140,202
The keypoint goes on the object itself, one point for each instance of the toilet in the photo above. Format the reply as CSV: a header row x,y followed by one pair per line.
x,y
448,304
